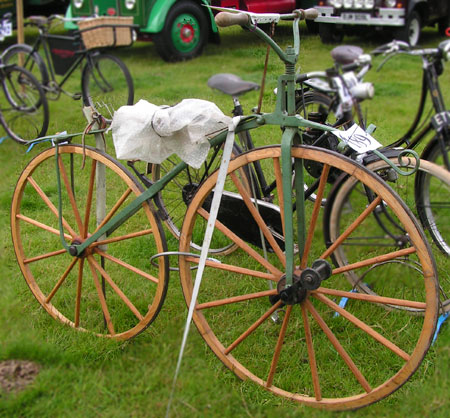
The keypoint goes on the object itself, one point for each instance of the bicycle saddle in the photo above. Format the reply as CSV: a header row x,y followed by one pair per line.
x,y
38,20
346,54
231,84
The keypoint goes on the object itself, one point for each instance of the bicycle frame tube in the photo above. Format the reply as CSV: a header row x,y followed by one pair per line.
x,y
43,39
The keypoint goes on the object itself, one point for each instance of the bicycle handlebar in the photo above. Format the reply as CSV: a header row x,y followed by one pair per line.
x,y
241,18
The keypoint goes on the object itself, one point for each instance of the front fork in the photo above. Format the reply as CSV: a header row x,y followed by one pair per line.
x,y
292,137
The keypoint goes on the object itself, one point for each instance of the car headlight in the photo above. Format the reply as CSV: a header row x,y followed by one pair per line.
x,y
129,4
391,3
78,4
369,4
358,4
336,3
348,3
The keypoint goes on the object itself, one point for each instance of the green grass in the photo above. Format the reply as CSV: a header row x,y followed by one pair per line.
x,y
83,375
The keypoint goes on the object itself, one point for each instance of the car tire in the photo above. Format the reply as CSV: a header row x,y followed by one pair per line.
x,y
411,31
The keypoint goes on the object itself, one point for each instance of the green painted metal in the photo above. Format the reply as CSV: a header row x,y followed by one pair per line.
x,y
185,32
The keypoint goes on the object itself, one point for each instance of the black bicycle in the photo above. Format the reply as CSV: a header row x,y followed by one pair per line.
x,y
24,111
106,82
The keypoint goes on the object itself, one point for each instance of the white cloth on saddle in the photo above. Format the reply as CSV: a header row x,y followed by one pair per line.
x,y
152,133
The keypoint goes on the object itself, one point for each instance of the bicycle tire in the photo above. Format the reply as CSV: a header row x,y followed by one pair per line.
x,y
433,151
293,358
70,289
32,61
24,111
106,84
427,197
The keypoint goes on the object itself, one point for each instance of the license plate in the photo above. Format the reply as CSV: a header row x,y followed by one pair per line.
x,y
5,30
356,17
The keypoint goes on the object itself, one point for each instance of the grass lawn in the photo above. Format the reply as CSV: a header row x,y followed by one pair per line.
x,y
85,376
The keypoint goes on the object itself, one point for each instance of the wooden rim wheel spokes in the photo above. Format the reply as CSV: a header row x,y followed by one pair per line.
x,y
425,193
310,350
112,289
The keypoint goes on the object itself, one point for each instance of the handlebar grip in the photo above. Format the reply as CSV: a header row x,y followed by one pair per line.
x,y
224,19
310,14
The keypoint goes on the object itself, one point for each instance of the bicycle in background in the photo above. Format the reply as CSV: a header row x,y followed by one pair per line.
x,y
106,82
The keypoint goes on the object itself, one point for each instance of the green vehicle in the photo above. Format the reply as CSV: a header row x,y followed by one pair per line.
x,y
180,29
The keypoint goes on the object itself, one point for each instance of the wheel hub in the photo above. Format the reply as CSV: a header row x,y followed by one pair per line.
x,y
309,279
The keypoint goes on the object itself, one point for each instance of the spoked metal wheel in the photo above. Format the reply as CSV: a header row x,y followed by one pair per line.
x,y
426,193
316,353
111,289
176,196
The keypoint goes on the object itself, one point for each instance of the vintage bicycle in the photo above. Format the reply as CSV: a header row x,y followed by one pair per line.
x,y
90,267
105,79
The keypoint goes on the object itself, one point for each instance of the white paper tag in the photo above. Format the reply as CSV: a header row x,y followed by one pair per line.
x,y
357,139
5,30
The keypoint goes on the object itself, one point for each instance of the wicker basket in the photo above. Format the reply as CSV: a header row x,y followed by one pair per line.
x,y
106,31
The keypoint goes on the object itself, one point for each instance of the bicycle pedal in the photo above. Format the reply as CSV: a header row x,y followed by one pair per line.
x,y
77,96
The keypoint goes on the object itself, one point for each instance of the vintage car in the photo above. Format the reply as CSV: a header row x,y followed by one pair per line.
x,y
180,29
403,18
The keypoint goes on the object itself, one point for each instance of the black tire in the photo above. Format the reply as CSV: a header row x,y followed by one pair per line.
x,y
23,106
330,34
185,32
106,84
315,106
411,31
32,61
433,151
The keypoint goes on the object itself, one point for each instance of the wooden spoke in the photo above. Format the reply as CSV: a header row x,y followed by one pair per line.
x,y
78,296
375,260
278,347
315,215
87,212
279,182
61,280
366,328
122,237
51,206
249,202
253,327
235,269
42,226
70,194
122,296
113,210
311,353
44,256
101,297
235,299
371,298
357,222
337,345
241,243
127,266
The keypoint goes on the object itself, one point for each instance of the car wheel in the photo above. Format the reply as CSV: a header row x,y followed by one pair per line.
x,y
411,31
184,34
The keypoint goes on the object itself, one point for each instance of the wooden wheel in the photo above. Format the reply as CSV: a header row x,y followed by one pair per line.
x,y
315,352
111,289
